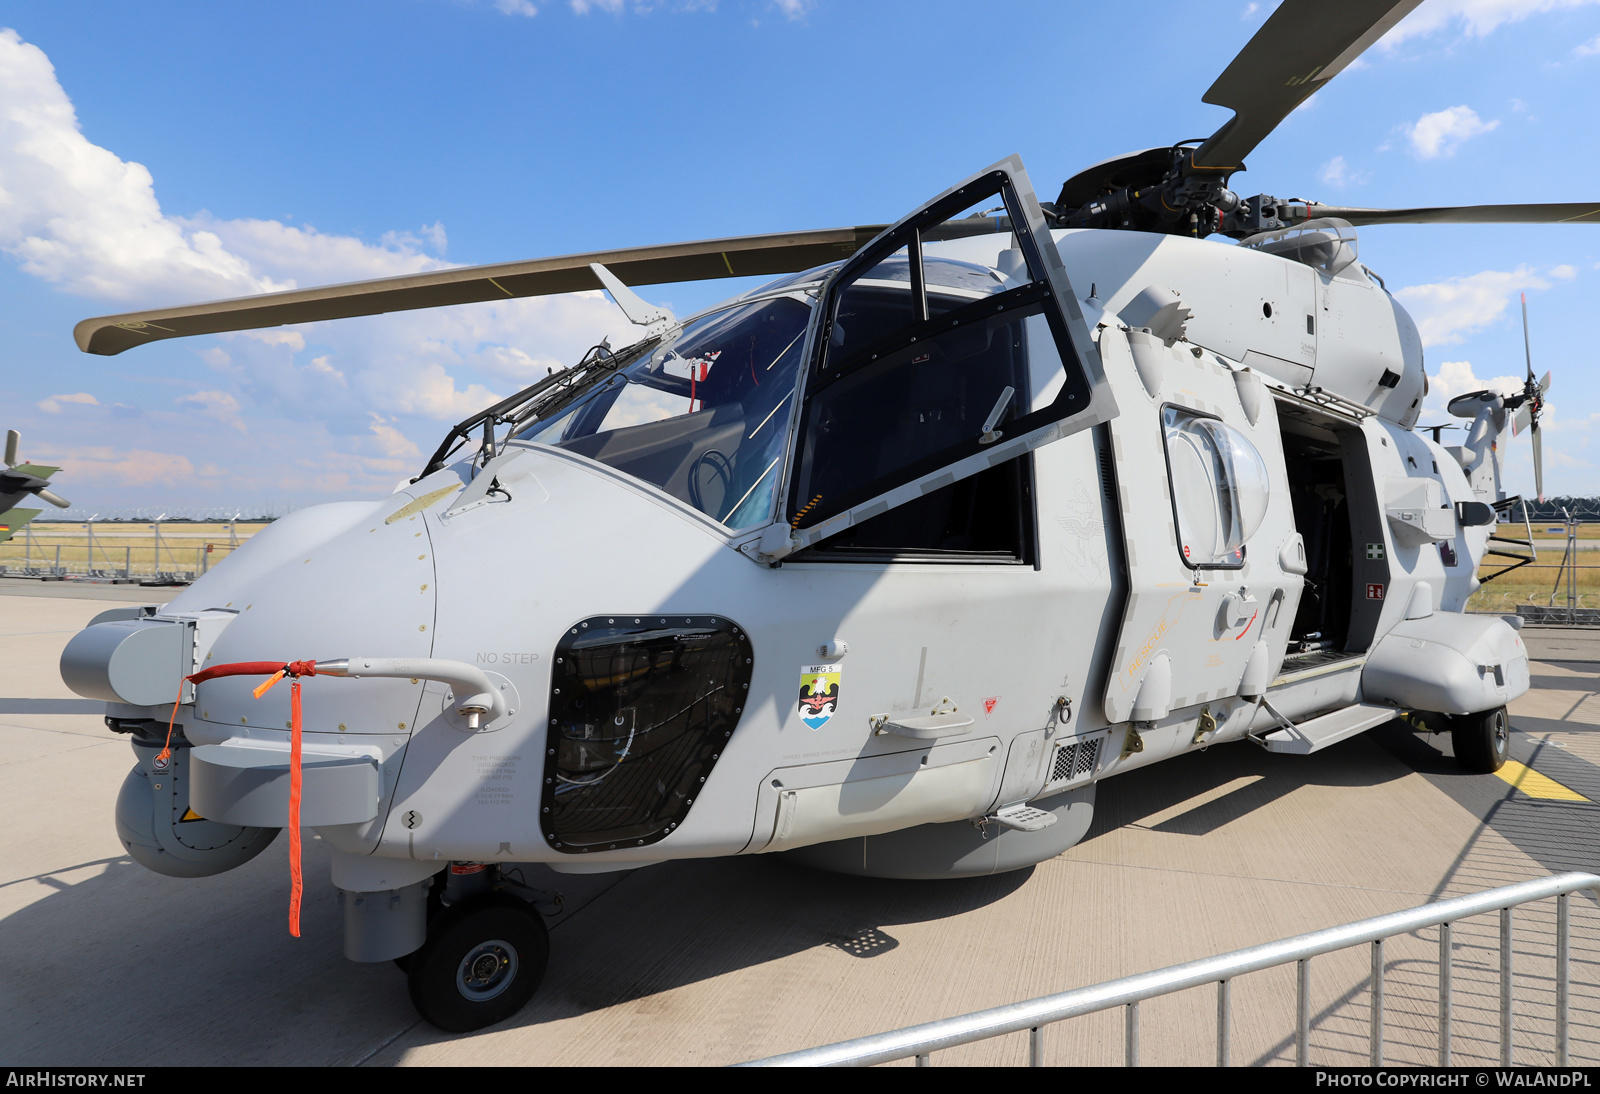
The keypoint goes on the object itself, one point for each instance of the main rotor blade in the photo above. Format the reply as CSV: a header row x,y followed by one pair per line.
x,y
1576,212
739,256
1303,45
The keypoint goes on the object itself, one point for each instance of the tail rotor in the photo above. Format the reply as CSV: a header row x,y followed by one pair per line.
x,y
1529,404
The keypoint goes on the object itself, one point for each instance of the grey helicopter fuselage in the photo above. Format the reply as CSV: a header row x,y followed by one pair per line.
x,y
1018,642
885,566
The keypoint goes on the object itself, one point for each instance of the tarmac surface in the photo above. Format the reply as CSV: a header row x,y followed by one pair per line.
x,y
713,962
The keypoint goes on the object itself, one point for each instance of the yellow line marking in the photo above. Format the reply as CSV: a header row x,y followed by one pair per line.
x,y
501,287
1580,216
1535,785
726,263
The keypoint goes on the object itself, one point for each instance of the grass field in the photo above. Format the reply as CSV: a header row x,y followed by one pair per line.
x,y
1533,584
117,545
183,550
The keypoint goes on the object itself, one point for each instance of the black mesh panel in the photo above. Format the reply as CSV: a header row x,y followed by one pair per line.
x,y
640,710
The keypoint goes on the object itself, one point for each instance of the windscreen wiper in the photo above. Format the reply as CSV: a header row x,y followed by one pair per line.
x,y
558,387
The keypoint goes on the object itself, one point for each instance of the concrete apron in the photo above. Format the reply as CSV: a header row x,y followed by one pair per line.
x,y
719,961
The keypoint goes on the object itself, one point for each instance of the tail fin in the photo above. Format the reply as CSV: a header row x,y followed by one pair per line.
x,y
1480,455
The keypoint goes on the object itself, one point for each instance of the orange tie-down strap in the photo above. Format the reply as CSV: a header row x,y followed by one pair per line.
x,y
274,671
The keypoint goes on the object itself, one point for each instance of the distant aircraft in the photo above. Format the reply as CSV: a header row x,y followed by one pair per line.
x,y
19,480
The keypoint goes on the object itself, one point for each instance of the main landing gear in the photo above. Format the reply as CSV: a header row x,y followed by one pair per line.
x,y
483,959
1482,741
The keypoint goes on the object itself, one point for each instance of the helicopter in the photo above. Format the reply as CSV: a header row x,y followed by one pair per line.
x,y
20,481
882,566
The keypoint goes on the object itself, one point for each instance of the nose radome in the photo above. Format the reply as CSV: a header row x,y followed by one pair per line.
x,y
366,589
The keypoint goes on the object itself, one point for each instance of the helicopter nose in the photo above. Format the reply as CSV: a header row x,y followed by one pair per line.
x,y
367,589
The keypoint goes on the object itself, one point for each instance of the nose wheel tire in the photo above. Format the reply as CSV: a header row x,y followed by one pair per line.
x,y
1482,741
481,964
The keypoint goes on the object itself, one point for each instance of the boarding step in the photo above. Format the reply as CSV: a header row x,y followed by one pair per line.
x,y
1328,729
1023,818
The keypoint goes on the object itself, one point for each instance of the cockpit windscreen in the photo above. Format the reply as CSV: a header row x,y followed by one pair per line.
x,y
704,415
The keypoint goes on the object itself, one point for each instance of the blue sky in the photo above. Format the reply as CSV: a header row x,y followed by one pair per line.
x,y
170,152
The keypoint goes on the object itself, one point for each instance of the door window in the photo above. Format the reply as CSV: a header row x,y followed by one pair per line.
x,y
1219,488
931,369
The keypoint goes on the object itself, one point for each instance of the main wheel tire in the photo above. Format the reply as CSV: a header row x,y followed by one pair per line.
x,y
481,964
1482,741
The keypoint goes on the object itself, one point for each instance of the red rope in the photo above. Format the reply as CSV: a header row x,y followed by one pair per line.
x,y
294,808
274,671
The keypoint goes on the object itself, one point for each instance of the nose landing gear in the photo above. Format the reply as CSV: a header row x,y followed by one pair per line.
x,y
481,963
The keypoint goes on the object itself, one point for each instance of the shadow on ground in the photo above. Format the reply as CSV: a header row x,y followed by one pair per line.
x,y
1134,798
119,965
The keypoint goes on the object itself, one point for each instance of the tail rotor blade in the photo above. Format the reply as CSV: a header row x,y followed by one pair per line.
x,y
1520,420
1538,463
1544,384
13,439
54,499
1526,350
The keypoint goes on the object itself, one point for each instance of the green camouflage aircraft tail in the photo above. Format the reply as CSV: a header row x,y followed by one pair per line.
x,y
20,481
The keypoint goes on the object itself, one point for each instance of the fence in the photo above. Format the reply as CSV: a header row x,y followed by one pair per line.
x,y
1035,1015
120,551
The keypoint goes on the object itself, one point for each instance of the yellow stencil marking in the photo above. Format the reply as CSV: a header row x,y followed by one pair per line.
x,y
1535,785
417,506
501,287
726,263
190,815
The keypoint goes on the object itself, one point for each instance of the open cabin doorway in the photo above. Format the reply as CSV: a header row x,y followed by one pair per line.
x,y
1337,515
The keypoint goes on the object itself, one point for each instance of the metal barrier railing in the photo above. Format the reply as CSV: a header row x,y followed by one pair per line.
x,y
55,552
1035,1014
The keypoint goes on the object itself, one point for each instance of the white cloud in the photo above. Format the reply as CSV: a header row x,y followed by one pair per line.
x,y
641,7
1441,133
1564,272
795,10
390,441
1336,172
75,215
1476,18
1589,48
1249,10
1448,311
52,405
305,398
216,405
276,336
516,7
1457,378
123,467
321,366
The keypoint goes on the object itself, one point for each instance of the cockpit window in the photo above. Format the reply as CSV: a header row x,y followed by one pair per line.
x,y
703,416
